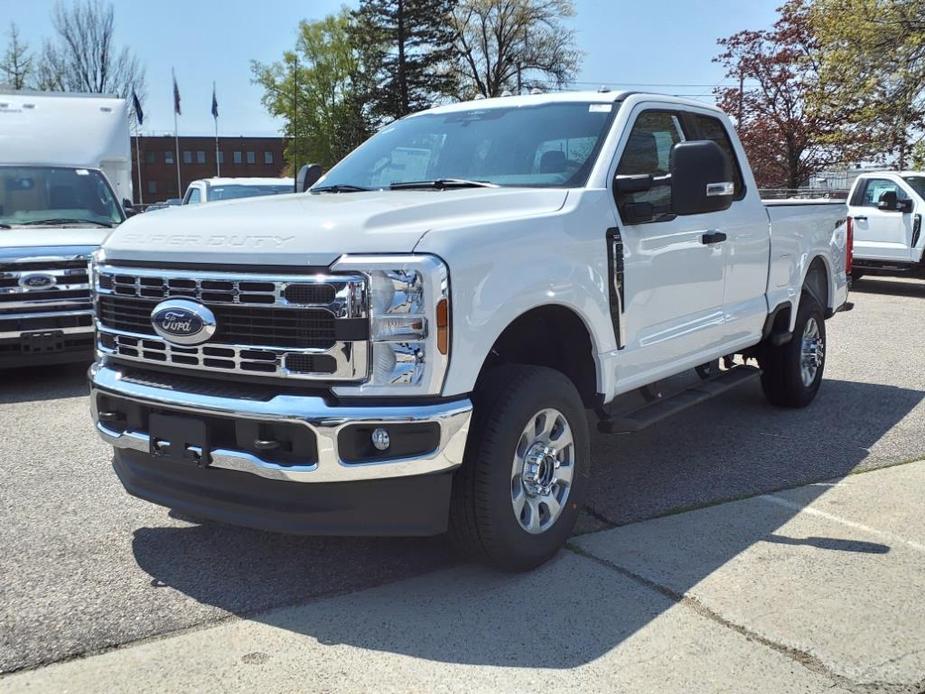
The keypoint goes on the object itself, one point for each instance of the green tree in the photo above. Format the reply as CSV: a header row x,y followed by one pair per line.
x,y
873,67
513,45
317,88
410,44
16,62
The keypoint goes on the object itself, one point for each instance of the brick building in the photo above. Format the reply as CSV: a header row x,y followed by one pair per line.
x,y
238,157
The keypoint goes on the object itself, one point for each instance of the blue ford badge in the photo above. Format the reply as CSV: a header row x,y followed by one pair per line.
x,y
37,280
183,322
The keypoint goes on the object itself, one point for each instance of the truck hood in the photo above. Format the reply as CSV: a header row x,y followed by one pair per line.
x,y
315,229
44,241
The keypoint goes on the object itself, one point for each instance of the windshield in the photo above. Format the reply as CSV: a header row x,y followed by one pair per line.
x,y
551,145
36,194
230,192
917,183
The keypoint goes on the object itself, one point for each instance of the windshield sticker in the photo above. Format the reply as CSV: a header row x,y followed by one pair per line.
x,y
81,172
600,108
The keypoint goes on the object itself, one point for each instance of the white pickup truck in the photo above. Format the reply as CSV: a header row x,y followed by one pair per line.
x,y
886,208
65,164
415,345
215,189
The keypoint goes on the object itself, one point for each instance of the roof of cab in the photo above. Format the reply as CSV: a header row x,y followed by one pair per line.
x,y
594,97
225,181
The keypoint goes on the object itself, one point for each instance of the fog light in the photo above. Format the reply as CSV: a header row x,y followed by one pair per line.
x,y
380,438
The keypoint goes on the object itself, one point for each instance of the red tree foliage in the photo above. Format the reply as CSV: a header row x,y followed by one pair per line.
x,y
787,139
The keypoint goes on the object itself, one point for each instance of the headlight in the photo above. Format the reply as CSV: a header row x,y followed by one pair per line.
x,y
409,323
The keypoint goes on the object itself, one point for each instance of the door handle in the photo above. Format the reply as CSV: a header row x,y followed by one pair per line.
x,y
713,237
861,218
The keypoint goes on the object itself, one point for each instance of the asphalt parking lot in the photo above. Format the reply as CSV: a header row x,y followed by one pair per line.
x,y
84,567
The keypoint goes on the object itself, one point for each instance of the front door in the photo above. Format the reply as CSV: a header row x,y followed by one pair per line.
x,y
672,303
881,234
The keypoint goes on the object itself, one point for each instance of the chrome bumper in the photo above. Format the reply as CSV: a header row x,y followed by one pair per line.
x,y
310,411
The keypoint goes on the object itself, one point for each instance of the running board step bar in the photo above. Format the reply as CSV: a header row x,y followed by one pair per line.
x,y
656,411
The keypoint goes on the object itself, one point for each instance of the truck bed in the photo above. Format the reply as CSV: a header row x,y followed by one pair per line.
x,y
799,227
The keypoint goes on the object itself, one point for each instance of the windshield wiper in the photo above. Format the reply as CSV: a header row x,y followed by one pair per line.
x,y
4,225
442,184
339,188
66,220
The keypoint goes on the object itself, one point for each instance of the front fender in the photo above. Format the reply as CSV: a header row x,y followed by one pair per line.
x,y
500,271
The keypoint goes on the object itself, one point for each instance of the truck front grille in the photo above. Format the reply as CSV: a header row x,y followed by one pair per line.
x,y
293,326
45,294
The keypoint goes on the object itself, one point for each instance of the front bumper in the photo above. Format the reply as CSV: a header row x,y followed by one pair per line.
x,y
324,494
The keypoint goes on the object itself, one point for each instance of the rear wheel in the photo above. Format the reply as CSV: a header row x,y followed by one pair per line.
x,y
517,495
792,372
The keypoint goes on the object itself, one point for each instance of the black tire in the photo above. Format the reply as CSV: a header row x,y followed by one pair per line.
x,y
782,378
483,524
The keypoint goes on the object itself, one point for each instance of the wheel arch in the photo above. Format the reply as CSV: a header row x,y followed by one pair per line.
x,y
817,281
551,335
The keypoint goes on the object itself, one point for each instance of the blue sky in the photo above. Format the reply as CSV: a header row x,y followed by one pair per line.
x,y
653,43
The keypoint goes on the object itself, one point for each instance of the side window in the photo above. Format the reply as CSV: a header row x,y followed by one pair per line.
x,y
874,190
710,128
192,197
648,151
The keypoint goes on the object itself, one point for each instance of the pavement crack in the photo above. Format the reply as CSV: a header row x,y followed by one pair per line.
x,y
804,658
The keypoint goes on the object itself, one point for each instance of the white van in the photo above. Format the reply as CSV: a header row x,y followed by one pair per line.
x,y
65,165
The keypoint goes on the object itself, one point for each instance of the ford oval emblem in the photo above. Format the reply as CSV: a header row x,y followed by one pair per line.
x,y
183,322
37,280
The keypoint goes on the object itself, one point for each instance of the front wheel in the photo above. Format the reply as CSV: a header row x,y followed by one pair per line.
x,y
525,475
792,372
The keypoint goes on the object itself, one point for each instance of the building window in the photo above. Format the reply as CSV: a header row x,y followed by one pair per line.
x,y
149,157
200,157
251,157
221,157
268,157
237,157
168,157
152,187
187,157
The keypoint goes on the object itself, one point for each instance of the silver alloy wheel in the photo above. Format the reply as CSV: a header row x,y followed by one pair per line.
x,y
812,352
541,476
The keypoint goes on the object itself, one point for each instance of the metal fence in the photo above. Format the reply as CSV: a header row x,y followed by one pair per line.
x,y
803,194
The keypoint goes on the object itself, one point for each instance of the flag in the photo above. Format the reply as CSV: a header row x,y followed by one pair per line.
x,y
176,96
214,102
139,114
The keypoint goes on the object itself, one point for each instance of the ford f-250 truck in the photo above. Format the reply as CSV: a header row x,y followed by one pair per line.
x,y
415,344
887,208
64,163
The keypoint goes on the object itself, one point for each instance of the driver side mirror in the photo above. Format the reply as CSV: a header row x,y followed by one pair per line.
x,y
888,201
307,177
128,208
702,178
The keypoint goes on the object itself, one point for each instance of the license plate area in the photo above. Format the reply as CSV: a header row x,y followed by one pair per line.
x,y
39,342
179,439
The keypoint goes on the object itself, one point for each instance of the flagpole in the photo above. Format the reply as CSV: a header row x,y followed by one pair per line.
x,y
176,136
218,166
176,139
141,199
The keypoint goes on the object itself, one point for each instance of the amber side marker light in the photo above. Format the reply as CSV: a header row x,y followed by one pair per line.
x,y
443,326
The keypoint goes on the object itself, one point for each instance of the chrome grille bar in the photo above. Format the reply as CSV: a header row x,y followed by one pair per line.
x,y
340,297
347,296
64,305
